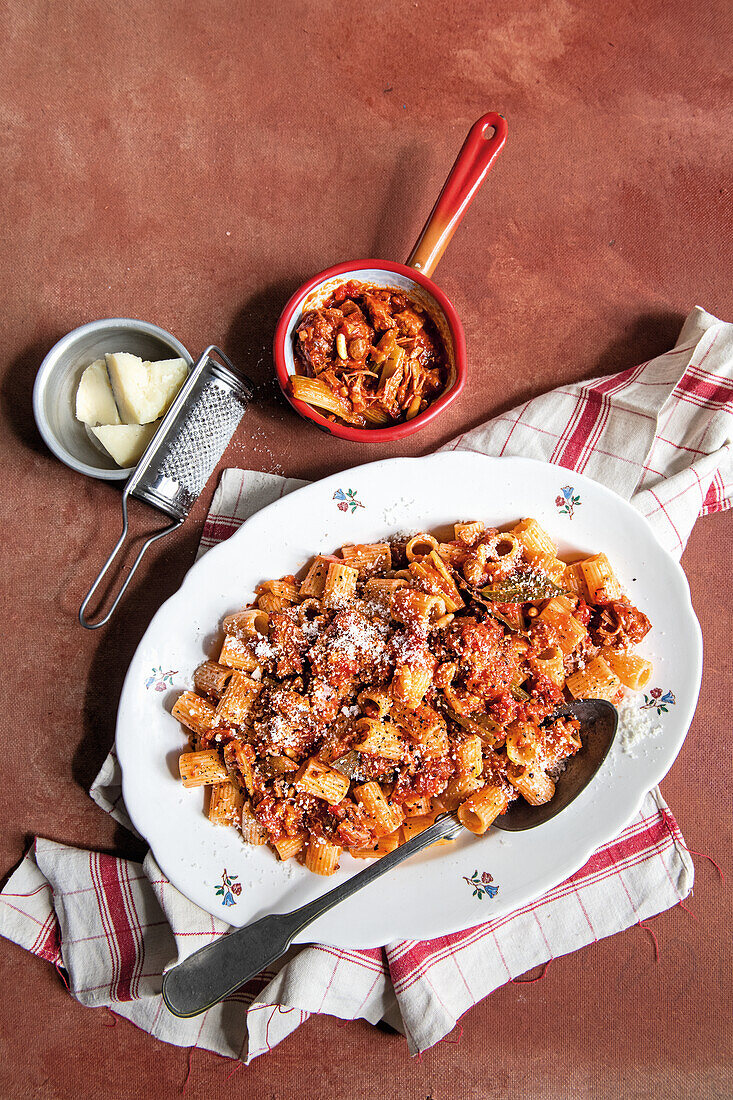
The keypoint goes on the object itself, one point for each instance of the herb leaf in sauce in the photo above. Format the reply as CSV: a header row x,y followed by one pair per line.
x,y
348,764
522,588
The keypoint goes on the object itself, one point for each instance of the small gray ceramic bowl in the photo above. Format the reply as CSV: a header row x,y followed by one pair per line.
x,y
54,392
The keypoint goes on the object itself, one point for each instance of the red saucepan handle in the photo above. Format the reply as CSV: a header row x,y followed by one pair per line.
x,y
467,174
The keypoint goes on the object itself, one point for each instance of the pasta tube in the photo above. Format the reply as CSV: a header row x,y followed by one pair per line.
x,y
340,583
321,856
553,567
570,632
238,699
380,590
367,558
482,807
458,789
211,678
550,663
252,831
194,712
225,803
416,807
235,654
535,540
275,595
316,778
596,681
531,782
315,579
288,846
600,579
374,702
468,533
452,552
386,816
469,756
414,825
379,739
574,581
419,546
410,683
247,624
416,608
522,742
431,574
633,672
202,767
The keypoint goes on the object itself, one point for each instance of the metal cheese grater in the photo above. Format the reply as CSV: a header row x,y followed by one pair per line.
x,y
182,454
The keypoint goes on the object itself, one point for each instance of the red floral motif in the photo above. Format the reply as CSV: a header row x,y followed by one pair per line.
x,y
658,700
481,884
567,501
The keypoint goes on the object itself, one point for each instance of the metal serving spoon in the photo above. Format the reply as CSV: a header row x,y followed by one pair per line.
x,y
207,976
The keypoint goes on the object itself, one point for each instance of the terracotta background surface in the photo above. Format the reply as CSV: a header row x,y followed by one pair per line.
x,y
190,163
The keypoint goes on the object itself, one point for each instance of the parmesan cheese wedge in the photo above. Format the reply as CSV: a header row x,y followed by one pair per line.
x,y
144,391
125,442
95,402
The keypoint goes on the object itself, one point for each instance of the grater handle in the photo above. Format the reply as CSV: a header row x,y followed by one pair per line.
x,y
148,542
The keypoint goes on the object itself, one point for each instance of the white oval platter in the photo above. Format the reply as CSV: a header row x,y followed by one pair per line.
x,y
431,894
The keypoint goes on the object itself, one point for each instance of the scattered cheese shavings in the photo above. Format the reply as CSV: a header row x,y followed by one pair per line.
x,y
635,725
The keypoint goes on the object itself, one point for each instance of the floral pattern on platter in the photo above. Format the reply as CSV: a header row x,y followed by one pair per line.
x,y
482,884
567,501
347,500
228,889
160,680
656,700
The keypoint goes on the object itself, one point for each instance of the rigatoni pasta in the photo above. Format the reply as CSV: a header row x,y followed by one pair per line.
x,y
393,681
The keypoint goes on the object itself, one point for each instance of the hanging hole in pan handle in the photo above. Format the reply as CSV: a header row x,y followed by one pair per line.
x,y
103,572
483,144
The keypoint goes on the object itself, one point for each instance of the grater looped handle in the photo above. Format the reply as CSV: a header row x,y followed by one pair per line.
x,y
118,546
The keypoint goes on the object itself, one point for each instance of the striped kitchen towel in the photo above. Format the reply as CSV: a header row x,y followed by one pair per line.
x,y
660,434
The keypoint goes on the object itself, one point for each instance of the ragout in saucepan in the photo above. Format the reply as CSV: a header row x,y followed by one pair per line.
x,y
369,356
402,679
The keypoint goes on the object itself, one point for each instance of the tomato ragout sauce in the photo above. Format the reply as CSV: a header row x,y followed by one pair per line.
x,y
400,680
369,356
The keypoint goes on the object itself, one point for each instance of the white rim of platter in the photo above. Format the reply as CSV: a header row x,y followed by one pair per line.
x,y
431,894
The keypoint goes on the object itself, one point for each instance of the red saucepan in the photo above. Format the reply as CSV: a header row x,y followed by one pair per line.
x,y
484,142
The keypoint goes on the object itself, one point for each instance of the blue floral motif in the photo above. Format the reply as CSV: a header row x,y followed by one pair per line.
x,y
347,500
657,701
161,680
228,888
481,885
567,501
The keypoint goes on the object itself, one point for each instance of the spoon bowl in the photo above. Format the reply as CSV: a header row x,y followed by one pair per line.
x,y
599,722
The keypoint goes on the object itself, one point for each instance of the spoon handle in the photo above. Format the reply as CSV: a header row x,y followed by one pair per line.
x,y
207,976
